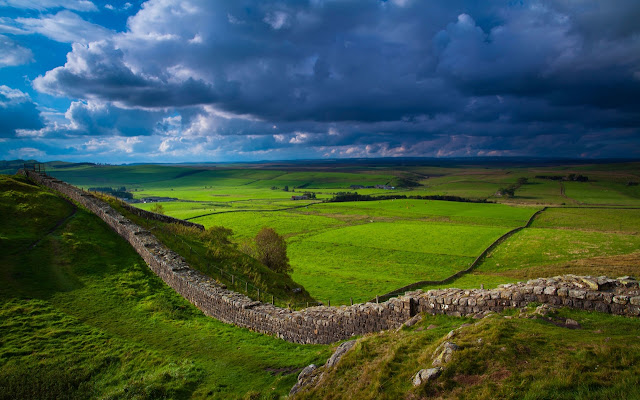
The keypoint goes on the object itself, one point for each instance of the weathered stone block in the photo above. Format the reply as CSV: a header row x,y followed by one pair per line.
x,y
577,294
621,299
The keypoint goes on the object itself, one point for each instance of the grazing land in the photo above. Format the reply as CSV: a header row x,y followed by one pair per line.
x,y
82,316
355,250
75,294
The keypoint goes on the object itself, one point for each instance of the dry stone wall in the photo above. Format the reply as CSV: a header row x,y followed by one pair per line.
x,y
330,324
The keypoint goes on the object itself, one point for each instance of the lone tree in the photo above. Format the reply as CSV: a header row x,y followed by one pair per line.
x,y
271,250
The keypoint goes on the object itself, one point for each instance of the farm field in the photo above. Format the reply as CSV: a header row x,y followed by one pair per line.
x,y
344,251
359,249
82,316
584,241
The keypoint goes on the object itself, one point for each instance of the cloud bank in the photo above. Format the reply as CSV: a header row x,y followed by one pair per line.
x,y
322,78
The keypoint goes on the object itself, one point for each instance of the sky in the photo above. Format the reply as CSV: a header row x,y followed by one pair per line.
x,y
247,80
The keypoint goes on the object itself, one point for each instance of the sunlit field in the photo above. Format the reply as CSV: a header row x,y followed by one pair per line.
x,y
355,250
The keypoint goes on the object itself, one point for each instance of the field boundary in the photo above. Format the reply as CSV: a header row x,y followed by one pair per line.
x,y
471,267
331,324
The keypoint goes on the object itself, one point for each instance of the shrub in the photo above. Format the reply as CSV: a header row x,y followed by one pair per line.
x,y
271,250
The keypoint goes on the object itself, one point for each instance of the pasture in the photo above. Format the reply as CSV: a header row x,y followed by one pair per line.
x,y
82,316
359,249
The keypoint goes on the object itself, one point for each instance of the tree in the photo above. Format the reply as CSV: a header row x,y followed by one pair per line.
x,y
286,188
271,250
157,208
523,181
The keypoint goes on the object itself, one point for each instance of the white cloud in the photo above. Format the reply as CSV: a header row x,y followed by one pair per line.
x,y
41,5
65,26
26,152
277,19
127,144
12,96
11,53
300,137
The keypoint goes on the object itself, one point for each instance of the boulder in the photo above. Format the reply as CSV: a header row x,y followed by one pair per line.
x,y
443,353
304,379
425,375
340,351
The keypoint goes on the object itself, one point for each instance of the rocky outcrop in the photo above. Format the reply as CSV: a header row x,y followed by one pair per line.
x,y
340,351
306,378
425,375
331,324
443,353
312,375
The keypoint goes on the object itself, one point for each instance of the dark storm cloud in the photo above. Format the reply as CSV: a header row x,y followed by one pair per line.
x,y
104,120
17,112
455,77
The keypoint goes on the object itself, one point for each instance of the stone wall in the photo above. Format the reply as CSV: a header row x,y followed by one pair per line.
x,y
330,324
615,296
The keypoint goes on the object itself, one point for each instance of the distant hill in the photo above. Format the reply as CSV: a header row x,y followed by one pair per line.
x,y
10,167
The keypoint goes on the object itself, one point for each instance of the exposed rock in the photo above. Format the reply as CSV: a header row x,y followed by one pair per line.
x,y
410,322
432,326
414,320
305,378
425,375
543,310
340,351
443,353
571,323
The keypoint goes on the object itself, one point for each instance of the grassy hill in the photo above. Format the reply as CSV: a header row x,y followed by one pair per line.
x,y
515,355
82,316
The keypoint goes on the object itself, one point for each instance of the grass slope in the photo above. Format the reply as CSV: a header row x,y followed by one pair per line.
x,y
207,252
82,316
508,356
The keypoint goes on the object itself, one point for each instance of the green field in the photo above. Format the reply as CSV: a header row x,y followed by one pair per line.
x,y
585,241
605,220
75,294
343,251
359,249
82,316
544,246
